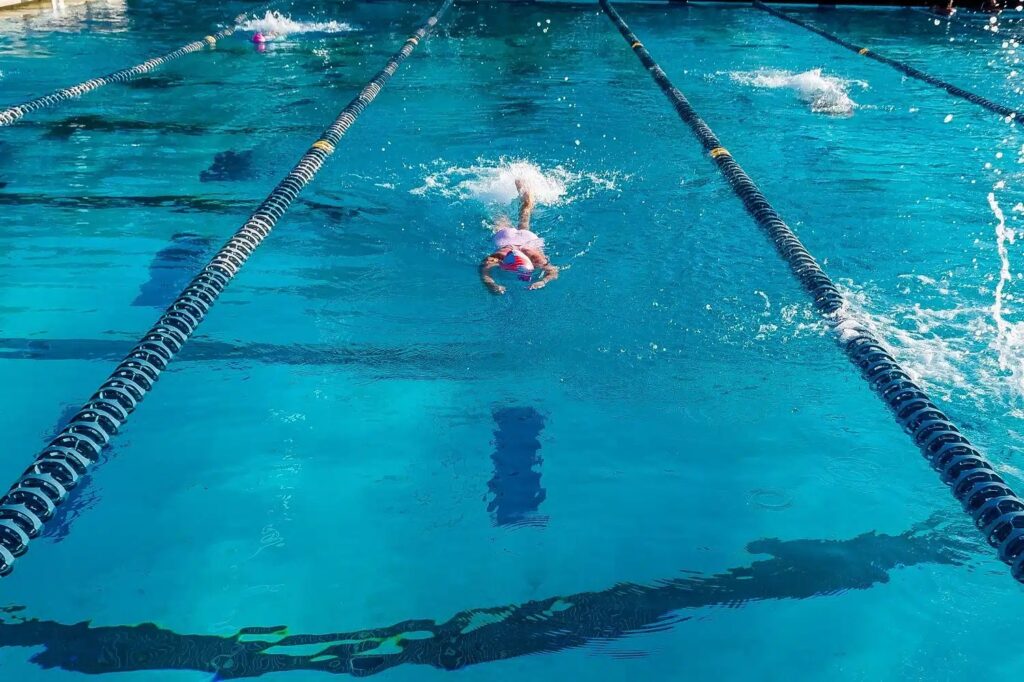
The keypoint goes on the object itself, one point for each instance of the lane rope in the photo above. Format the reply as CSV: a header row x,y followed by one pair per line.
x,y
1006,112
14,113
996,510
33,498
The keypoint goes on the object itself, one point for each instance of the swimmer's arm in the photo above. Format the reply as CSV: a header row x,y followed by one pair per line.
x,y
485,274
526,205
550,273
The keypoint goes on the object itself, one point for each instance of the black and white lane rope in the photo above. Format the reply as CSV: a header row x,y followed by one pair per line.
x,y
14,113
32,499
1006,112
996,510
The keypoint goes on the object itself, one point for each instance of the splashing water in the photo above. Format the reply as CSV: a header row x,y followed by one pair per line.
x,y
1003,235
826,94
1009,341
960,349
495,183
933,360
281,24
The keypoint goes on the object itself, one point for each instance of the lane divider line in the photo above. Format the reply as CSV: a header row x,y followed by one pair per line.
x,y
16,112
34,497
996,510
1006,112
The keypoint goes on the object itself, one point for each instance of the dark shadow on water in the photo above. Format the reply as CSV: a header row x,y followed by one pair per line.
x,y
172,268
793,569
82,497
160,82
65,128
230,166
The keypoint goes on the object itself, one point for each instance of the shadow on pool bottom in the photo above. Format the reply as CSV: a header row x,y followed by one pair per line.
x,y
796,569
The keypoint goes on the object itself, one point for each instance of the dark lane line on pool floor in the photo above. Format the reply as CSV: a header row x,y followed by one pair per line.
x,y
467,359
516,493
995,509
176,203
66,128
796,569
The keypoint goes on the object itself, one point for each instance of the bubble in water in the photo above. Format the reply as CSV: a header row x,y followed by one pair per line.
x,y
949,117
771,499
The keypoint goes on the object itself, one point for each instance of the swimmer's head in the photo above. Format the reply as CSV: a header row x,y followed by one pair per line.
x,y
518,262
258,38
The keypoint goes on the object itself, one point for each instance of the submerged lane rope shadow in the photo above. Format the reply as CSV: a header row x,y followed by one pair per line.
x,y
956,91
796,569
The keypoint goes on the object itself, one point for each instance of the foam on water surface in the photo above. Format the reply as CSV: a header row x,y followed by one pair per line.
x,y
275,22
826,94
494,183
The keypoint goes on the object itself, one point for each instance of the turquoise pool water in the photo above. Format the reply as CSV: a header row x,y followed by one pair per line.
x,y
659,467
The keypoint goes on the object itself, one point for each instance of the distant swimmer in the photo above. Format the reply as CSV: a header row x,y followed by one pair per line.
x,y
518,250
260,39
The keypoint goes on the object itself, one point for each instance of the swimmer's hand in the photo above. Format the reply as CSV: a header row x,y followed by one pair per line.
x,y
550,274
495,288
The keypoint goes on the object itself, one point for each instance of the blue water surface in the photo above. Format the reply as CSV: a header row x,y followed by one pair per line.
x,y
661,466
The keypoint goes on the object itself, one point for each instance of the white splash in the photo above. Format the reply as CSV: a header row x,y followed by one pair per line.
x,y
826,94
1003,235
1009,337
932,360
952,350
495,182
282,24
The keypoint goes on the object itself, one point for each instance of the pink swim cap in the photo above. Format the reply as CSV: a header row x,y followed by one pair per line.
x,y
517,262
258,37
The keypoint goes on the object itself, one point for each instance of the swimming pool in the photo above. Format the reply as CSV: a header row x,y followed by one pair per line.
x,y
655,464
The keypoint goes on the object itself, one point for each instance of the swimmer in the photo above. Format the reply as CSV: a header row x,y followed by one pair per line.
x,y
518,250
260,38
